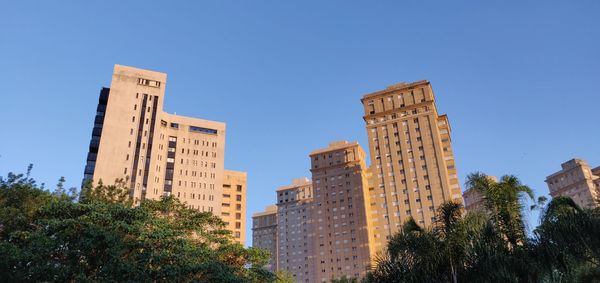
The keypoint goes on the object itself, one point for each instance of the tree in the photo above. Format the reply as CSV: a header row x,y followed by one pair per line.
x,y
484,246
568,242
504,201
284,276
417,254
48,236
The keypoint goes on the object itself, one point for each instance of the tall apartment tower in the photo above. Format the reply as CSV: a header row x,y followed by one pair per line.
x,y
578,181
294,225
411,157
264,233
156,152
341,223
233,207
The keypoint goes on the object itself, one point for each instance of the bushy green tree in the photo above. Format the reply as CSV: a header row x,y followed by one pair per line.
x,y
48,236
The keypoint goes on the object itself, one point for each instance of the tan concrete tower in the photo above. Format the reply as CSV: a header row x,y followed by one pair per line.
x,y
160,153
578,181
294,228
411,157
233,207
264,233
340,220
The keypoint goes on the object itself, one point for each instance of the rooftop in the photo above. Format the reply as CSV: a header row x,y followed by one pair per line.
x,y
394,87
295,184
336,145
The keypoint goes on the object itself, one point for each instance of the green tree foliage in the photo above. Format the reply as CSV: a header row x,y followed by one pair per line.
x,y
504,201
48,236
492,245
568,242
284,276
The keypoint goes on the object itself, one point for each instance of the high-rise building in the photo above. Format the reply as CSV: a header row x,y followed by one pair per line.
x,y
578,181
233,207
341,223
157,153
596,172
264,233
411,157
294,229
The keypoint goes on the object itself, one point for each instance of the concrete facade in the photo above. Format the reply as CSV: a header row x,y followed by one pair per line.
x,y
578,181
341,223
295,226
264,233
412,161
233,206
156,152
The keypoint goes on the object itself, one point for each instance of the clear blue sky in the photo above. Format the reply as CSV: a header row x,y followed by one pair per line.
x,y
518,80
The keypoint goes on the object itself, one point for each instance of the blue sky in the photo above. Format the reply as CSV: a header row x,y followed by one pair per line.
x,y
518,79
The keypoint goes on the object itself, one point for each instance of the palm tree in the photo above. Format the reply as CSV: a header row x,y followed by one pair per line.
x,y
568,241
482,246
439,254
504,203
413,255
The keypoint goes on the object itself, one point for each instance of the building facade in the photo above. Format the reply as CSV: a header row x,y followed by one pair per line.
x,y
411,155
294,226
157,153
596,172
578,181
233,207
341,223
264,233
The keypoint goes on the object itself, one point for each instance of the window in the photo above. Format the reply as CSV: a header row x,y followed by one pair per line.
x,y
175,125
203,130
146,82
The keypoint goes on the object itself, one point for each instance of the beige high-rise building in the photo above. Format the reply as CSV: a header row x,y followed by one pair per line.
x,y
596,172
411,157
340,220
578,181
233,207
294,229
264,233
156,152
